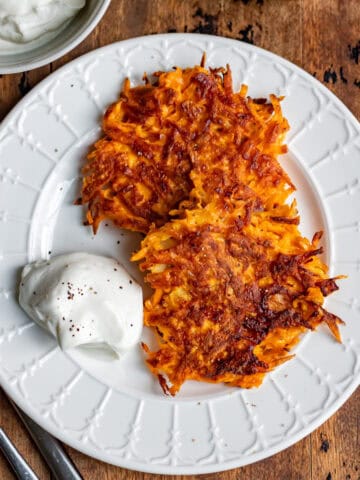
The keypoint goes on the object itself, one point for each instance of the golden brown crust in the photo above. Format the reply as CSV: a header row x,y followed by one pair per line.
x,y
231,297
164,140
235,283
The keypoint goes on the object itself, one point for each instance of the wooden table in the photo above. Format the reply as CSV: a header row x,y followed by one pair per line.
x,y
321,36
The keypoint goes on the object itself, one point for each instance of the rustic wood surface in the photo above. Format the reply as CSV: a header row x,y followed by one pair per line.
x,y
321,36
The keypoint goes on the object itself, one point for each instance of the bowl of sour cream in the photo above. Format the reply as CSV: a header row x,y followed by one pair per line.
x,y
36,32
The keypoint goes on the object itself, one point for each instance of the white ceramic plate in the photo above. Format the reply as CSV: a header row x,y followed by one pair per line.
x,y
116,411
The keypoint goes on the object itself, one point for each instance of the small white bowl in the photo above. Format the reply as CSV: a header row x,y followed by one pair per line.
x,y
55,44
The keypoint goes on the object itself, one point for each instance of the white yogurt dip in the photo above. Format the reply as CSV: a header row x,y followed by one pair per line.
x,y
23,21
84,300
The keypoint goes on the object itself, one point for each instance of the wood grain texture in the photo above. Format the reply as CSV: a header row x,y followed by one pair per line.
x,y
321,36
19,436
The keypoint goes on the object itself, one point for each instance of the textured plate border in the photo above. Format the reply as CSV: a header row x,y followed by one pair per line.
x,y
218,448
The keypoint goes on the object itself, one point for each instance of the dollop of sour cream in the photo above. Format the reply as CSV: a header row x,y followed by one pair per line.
x,y
22,21
84,300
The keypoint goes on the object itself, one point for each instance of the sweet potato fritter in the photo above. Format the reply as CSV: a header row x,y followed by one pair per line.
x,y
194,165
234,289
160,137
